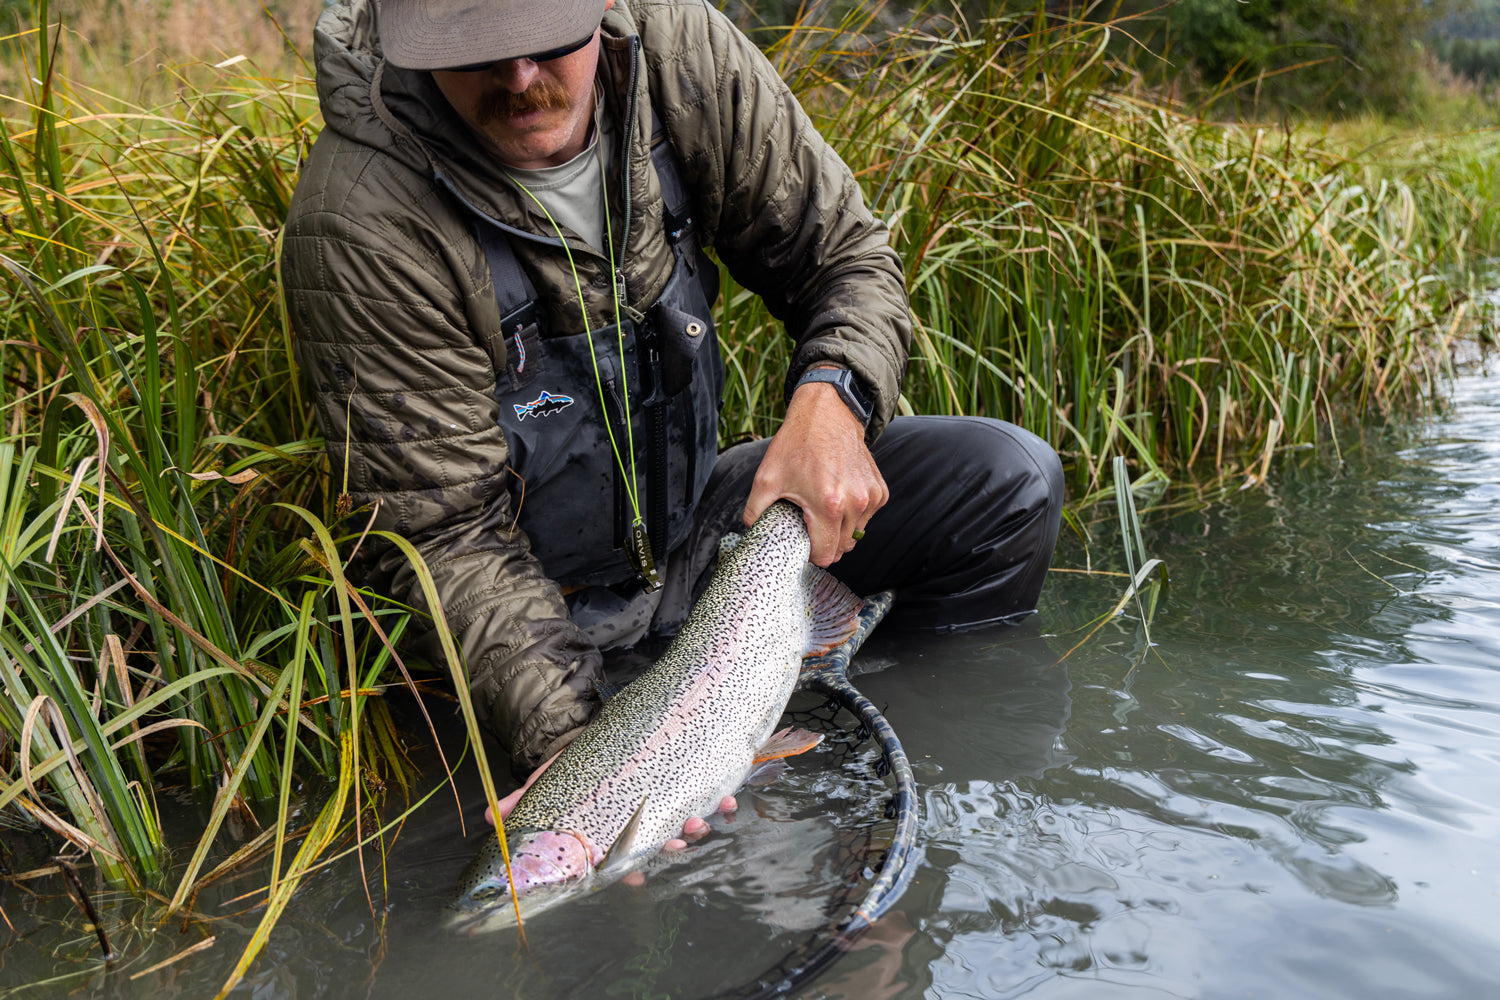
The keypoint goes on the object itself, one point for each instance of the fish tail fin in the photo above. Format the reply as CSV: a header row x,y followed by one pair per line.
x,y
834,607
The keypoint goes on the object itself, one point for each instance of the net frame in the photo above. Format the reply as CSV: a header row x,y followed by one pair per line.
x,y
828,675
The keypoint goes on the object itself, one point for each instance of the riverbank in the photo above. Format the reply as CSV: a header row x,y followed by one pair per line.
x,y
1084,258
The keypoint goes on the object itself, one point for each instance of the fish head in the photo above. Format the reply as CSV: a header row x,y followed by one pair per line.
x,y
546,866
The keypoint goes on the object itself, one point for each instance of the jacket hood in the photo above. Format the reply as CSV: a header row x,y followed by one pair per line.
x,y
403,113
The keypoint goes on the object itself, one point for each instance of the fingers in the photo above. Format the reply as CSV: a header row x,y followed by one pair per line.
x,y
692,830
833,514
763,493
832,528
506,805
697,826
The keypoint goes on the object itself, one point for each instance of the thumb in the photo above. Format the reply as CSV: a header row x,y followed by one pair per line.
x,y
761,497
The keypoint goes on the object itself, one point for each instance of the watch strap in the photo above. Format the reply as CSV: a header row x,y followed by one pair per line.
x,y
842,379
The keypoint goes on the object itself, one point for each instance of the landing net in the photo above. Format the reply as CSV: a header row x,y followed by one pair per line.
x,y
878,863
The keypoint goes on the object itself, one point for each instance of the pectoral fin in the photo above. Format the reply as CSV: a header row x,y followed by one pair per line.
x,y
787,743
620,849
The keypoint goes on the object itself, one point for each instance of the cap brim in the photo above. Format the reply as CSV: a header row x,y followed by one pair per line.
x,y
435,34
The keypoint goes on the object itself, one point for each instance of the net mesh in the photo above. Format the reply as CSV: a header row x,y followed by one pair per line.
x,y
875,860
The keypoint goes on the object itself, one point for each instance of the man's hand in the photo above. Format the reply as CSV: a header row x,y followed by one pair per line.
x,y
693,829
819,461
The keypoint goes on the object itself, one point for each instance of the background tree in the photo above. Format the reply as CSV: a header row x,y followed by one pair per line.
x,y
1324,55
1468,40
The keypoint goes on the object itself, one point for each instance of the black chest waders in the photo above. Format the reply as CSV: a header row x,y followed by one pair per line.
x,y
570,490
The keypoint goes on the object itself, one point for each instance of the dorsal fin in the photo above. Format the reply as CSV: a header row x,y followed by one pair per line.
x,y
834,609
620,849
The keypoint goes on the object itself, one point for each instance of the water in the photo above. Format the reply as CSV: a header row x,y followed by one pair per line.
x,y
1293,791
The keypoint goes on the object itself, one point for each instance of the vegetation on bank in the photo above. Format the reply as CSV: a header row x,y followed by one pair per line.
x,y
1085,258
1120,276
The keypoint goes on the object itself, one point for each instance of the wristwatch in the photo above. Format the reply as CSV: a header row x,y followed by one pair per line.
x,y
842,379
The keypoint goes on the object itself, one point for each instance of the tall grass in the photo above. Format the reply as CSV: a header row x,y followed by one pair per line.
x,y
1099,266
1119,275
172,598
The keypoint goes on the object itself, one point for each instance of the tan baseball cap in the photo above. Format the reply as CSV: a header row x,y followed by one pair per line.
x,y
438,34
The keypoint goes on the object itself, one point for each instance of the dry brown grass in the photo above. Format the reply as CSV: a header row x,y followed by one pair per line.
x,y
109,42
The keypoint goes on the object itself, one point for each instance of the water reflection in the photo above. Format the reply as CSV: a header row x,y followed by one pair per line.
x,y
1312,739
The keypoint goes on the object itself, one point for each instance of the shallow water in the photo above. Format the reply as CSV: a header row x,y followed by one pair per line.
x,y
1292,791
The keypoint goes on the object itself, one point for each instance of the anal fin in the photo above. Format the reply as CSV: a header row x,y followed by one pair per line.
x,y
767,772
787,743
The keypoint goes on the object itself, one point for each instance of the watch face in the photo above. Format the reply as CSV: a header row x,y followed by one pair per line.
x,y
852,384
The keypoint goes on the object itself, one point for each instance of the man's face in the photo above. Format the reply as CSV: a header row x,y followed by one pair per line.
x,y
528,114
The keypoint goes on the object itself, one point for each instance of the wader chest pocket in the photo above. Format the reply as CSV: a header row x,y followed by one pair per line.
x,y
679,336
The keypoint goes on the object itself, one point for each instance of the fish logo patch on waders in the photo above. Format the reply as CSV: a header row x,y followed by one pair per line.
x,y
543,406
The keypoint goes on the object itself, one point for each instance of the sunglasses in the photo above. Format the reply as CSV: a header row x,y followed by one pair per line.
x,y
538,57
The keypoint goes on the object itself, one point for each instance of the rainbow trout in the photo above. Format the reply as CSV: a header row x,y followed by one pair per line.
x,y
675,741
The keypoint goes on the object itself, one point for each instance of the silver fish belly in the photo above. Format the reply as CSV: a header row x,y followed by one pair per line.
x,y
679,738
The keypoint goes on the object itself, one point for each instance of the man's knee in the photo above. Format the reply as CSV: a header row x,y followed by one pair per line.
x,y
985,459
989,497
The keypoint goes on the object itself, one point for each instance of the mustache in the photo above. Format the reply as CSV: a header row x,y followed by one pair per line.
x,y
544,95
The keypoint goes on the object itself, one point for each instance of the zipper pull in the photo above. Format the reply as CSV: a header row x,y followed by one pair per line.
x,y
647,337
641,558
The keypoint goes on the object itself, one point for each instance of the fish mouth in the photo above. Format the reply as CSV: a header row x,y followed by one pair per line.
x,y
545,865
500,914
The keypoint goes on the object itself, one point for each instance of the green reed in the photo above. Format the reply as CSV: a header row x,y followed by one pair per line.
x,y
1120,276
172,600
1084,259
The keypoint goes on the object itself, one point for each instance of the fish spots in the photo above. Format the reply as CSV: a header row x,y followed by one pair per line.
x,y
674,742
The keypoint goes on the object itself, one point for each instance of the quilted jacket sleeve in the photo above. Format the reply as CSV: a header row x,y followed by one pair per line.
x,y
405,401
782,208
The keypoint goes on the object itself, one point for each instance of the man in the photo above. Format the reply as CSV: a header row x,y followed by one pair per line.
x,y
493,265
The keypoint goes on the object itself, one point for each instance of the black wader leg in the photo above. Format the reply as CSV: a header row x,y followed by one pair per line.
x,y
968,533
965,539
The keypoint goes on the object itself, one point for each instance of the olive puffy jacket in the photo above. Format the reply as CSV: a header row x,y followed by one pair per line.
x,y
398,330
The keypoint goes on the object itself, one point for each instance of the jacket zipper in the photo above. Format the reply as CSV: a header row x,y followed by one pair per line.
x,y
625,198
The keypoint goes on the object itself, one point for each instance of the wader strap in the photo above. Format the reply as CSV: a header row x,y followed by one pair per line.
x,y
514,292
516,296
676,218
674,196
